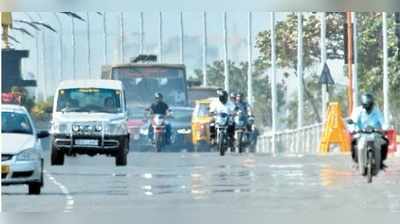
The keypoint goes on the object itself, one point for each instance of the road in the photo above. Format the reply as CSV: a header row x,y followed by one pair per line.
x,y
173,182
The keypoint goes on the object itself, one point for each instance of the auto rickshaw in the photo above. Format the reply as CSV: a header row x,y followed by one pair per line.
x,y
201,125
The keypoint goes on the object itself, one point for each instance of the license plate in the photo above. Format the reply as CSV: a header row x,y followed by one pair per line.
x,y
5,169
87,142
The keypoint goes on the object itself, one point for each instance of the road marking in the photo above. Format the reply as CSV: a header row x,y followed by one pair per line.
x,y
69,202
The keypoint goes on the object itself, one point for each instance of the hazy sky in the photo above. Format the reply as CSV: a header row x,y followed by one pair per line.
x,y
193,28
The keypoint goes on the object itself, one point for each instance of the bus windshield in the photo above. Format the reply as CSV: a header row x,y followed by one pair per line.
x,y
142,82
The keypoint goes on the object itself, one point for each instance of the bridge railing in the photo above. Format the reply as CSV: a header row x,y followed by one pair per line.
x,y
305,140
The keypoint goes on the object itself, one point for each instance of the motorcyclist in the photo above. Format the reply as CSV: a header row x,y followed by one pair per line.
x,y
160,107
222,105
232,97
368,115
243,106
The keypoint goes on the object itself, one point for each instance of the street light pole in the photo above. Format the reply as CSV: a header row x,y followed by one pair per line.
x,y
105,38
73,49
182,41
88,43
323,61
122,40
226,66
204,49
141,47
250,61
350,61
274,105
355,66
385,70
60,35
43,61
300,92
160,41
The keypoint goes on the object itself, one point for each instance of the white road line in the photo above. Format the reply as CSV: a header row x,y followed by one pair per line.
x,y
69,202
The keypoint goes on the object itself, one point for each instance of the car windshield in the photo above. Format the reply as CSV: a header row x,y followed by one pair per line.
x,y
12,122
143,82
89,100
182,115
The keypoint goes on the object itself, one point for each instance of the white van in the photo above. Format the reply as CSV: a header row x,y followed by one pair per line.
x,y
89,117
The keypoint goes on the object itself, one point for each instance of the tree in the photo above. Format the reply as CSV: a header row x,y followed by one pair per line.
x,y
369,57
238,82
286,45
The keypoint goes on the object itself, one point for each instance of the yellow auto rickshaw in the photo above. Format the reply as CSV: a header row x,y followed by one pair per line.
x,y
201,125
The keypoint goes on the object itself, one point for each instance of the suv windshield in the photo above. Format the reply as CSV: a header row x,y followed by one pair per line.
x,y
143,82
12,122
89,100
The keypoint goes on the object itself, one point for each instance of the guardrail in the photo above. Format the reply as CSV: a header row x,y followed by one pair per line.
x,y
305,140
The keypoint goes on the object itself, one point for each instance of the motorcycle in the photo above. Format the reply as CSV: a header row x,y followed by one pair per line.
x,y
369,146
158,123
241,132
222,122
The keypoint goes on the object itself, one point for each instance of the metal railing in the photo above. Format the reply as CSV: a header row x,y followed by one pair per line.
x,y
305,140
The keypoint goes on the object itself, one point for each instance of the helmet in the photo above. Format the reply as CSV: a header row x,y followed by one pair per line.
x,y
222,95
367,102
239,96
158,96
232,95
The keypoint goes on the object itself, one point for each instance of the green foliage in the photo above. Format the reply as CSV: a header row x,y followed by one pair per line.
x,y
41,109
238,83
370,62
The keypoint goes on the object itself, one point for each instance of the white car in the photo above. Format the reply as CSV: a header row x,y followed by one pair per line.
x,y
89,117
21,149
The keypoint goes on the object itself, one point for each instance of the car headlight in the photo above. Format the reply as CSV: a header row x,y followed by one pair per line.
x,y
184,131
116,128
28,155
59,128
76,128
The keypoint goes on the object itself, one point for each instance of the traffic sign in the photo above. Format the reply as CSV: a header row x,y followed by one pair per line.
x,y
326,77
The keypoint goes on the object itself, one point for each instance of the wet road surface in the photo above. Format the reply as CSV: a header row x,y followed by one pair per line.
x,y
175,182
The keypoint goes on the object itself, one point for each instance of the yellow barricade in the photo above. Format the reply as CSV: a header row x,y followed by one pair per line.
x,y
335,131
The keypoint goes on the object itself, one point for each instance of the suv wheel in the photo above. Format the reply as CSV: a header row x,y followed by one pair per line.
x,y
121,157
57,157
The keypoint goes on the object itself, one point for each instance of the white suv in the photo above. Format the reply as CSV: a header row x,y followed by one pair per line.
x,y
21,149
89,117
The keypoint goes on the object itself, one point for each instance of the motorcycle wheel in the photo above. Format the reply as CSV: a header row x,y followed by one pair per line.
x,y
239,142
159,143
369,166
220,143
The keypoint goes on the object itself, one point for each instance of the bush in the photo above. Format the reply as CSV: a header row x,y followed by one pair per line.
x,y
41,110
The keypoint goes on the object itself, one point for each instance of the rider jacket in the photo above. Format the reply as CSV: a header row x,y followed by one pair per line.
x,y
218,107
159,108
363,120
245,107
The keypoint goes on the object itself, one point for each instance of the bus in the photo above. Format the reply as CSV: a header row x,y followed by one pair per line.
x,y
141,81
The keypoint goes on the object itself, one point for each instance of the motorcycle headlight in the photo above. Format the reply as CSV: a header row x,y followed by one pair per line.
x,y
158,121
59,128
144,131
27,155
116,128
184,131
